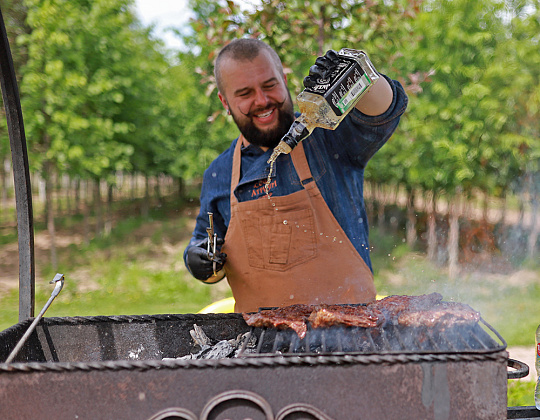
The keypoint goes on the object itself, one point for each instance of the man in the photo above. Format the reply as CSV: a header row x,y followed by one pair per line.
x,y
306,241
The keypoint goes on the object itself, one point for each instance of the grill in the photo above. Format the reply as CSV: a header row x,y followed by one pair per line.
x,y
114,368
390,339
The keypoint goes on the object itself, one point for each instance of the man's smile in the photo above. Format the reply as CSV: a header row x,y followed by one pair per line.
x,y
265,114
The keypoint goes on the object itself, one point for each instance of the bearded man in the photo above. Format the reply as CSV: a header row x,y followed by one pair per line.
x,y
303,238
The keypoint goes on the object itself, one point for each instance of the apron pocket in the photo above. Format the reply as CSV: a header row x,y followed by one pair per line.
x,y
279,242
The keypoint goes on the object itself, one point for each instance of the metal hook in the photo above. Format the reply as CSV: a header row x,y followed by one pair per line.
x,y
59,283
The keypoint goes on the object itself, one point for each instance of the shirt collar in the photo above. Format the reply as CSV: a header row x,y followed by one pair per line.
x,y
249,148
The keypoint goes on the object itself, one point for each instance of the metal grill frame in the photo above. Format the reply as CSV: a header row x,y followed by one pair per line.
x,y
389,339
337,386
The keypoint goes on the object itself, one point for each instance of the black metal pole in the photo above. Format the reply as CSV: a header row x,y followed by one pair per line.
x,y
21,175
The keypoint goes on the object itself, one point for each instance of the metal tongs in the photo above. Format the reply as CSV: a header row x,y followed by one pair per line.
x,y
211,248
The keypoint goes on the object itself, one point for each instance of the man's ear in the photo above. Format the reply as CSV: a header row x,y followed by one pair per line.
x,y
223,102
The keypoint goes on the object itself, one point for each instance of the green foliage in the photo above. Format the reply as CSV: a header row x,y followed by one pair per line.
x,y
100,95
463,128
92,88
521,393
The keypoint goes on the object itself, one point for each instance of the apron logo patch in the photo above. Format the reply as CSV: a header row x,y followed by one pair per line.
x,y
259,188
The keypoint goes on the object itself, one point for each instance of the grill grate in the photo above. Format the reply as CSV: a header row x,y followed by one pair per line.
x,y
387,339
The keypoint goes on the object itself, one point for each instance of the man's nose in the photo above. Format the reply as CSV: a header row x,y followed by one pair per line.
x,y
261,98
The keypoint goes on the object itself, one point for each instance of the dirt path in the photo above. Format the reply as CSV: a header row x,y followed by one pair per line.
x,y
9,256
527,356
161,255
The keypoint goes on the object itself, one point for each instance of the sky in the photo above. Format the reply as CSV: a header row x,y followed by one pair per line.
x,y
167,13
163,14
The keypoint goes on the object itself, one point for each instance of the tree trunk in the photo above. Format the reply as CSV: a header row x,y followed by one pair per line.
x,y
369,200
41,190
322,30
108,217
133,190
157,190
521,204
504,208
51,228
535,228
431,210
68,183
453,237
86,223
411,220
145,208
485,208
380,207
395,199
57,194
98,210
77,203
119,185
181,188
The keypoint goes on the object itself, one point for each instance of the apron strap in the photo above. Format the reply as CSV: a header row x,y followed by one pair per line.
x,y
301,165
237,160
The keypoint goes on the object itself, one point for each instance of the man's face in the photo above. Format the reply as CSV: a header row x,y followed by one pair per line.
x,y
257,97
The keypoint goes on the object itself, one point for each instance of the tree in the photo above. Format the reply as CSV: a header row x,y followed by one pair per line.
x,y
454,121
80,91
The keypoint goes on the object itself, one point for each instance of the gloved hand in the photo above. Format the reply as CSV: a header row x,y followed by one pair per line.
x,y
322,68
202,267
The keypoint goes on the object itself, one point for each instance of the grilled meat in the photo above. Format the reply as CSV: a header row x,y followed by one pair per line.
x,y
345,315
292,317
443,315
414,311
395,304
392,306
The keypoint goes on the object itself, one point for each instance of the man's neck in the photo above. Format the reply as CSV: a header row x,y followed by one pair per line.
x,y
246,143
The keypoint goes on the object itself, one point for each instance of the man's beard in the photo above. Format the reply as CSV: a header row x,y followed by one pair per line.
x,y
267,138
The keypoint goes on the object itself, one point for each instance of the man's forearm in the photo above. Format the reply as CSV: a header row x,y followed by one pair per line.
x,y
377,100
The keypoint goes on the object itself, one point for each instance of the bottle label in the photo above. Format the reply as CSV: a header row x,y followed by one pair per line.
x,y
538,349
357,89
343,86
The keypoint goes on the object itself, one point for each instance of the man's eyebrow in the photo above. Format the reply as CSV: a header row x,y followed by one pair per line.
x,y
246,89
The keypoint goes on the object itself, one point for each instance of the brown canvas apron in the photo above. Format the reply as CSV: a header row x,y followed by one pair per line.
x,y
291,249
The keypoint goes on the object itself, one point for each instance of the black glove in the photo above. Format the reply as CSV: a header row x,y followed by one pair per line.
x,y
198,262
322,68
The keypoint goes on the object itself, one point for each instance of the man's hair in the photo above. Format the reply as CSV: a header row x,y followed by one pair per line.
x,y
240,50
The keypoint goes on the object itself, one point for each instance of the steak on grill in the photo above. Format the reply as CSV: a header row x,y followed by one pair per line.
x,y
345,315
414,311
289,317
442,315
391,306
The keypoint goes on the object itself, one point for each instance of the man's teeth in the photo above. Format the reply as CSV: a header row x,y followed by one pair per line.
x,y
266,114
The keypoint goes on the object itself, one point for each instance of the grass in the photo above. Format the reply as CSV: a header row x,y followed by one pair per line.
x,y
520,393
138,269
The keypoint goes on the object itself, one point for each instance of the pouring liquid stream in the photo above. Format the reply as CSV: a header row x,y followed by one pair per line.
x,y
272,162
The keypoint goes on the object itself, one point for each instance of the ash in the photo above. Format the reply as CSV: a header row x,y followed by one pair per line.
x,y
205,348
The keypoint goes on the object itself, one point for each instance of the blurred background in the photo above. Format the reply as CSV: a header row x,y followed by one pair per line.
x,y
122,117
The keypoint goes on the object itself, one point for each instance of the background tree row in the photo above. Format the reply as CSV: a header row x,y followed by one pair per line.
x,y
101,95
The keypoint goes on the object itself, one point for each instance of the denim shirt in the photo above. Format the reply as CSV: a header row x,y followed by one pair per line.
x,y
337,159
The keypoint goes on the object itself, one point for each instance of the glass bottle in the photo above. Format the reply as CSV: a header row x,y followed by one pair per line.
x,y
326,100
